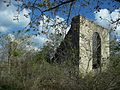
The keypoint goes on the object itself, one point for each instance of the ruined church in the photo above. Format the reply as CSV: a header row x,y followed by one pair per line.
x,y
86,45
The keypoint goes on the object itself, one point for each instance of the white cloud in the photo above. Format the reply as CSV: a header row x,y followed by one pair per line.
x,y
53,24
11,38
50,25
3,29
7,24
7,15
39,40
105,18
23,21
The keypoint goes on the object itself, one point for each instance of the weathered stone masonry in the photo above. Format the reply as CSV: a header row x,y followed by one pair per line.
x,y
86,44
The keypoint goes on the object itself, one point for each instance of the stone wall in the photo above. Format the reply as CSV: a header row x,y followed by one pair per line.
x,y
78,45
87,29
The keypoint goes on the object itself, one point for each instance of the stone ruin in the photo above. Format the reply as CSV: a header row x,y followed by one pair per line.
x,y
86,44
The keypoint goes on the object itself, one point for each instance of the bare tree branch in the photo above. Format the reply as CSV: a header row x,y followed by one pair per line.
x,y
69,12
63,3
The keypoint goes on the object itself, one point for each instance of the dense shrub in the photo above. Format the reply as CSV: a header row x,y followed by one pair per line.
x,y
31,71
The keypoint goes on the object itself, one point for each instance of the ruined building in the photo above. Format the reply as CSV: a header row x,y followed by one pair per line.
x,y
86,45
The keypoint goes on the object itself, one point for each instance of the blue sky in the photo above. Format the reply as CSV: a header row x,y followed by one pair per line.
x,y
107,12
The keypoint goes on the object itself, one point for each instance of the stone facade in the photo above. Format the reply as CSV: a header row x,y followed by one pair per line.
x,y
86,44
